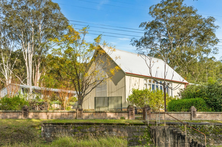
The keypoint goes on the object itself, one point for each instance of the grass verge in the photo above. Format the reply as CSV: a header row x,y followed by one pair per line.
x,y
72,142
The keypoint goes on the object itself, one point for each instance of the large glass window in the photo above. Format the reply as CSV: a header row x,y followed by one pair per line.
x,y
153,85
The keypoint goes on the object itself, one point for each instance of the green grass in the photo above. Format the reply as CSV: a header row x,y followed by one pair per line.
x,y
72,142
37,122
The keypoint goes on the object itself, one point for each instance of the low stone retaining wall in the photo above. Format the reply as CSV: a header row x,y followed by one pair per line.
x,y
213,131
208,116
186,116
133,132
8,114
178,115
62,114
167,136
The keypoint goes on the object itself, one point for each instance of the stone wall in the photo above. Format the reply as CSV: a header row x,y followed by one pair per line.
x,y
60,114
102,115
178,115
134,133
208,116
213,131
167,136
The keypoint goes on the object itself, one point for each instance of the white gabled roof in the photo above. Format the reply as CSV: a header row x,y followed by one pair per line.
x,y
132,63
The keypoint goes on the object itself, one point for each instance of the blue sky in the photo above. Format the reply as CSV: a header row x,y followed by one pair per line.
x,y
119,20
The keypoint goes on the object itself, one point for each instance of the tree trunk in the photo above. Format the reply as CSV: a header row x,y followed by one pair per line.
x,y
37,74
80,101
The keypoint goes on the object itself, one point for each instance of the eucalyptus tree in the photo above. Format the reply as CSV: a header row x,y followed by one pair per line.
x,y
8,56
33,23
178,35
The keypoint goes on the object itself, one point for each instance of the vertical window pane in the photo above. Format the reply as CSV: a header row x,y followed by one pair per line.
x,y
153,87
157,87
161,87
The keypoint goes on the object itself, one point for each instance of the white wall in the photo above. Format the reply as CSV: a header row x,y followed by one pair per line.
x,y
137,82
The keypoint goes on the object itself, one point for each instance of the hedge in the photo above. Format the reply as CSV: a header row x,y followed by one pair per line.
x,y
185,104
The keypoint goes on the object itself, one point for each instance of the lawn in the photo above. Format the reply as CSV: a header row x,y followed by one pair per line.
x,y
72,142
38,122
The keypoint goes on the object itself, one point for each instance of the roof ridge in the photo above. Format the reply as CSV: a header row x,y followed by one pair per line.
x,y
137,54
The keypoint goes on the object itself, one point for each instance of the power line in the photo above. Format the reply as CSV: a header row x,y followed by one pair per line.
x,y
127,28
113,36
112,33
78,6
107,29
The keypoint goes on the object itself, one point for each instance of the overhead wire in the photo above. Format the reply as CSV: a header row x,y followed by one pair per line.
x,y
112,33
103,28
106,25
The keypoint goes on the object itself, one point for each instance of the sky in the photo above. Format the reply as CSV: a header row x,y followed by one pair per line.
x,y
118,20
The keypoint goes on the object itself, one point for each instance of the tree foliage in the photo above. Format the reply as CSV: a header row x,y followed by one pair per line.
x,y
31,24
78,64
178,35
211,93
154,99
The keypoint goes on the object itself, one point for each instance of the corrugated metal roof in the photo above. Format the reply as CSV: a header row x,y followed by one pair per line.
x,y
132,63
44,88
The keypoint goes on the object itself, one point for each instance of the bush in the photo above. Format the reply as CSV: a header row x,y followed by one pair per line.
x,y
211,93
13,103
155,99
185,104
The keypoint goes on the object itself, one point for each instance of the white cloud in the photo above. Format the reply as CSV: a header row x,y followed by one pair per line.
x,y
123,38
102,2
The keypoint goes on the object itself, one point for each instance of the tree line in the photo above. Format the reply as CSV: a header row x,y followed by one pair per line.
x,y
38,46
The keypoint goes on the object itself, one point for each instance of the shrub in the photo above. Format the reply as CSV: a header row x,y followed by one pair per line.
x,y
154,99
13,103
211,93
185,104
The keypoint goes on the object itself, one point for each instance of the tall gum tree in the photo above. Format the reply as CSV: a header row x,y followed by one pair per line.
x,y
8,56
178,35
33,22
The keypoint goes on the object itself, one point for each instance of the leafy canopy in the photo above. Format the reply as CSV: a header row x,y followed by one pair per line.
x,y
211,93
79,65
178,35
